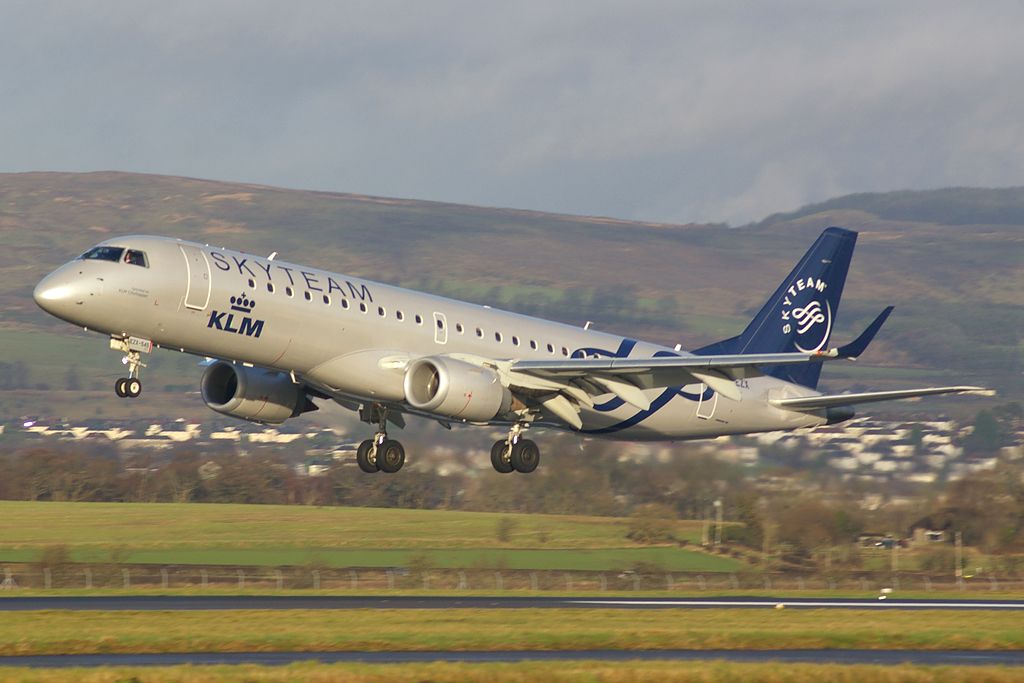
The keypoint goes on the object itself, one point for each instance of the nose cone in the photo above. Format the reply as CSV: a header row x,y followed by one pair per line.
x,y
59,293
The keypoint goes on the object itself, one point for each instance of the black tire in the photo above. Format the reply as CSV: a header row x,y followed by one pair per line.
x,y
119,387
363,457
498,461
525,456
390,456
132,387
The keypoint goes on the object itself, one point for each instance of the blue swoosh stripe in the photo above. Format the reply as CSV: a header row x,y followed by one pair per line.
x,y
625,348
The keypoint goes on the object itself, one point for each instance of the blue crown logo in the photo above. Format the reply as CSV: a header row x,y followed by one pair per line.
x,y
242,303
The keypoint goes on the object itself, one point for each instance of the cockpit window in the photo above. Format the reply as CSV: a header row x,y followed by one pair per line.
x,y
135,257
104,254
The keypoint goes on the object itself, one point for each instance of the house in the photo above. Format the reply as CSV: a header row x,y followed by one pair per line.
x,y
935,528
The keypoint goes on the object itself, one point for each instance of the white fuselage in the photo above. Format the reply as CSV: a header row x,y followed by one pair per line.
x,y
351,338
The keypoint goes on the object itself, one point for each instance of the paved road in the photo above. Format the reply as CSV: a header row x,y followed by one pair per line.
x,y
939,657
271,602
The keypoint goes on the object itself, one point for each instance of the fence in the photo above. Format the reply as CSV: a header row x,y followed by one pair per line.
x,y
360,579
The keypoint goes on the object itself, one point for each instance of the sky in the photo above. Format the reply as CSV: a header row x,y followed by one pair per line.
x,y
661,111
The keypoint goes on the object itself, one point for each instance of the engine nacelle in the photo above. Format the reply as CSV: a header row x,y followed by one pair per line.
x,y
455,389
253,394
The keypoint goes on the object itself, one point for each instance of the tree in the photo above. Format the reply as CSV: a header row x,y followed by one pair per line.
x,y
987,436
814,528
652,523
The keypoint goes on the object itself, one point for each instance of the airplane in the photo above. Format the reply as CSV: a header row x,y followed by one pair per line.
x,y
278,335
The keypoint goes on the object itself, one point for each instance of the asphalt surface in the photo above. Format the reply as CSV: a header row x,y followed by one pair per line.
x,y
923,657
272,602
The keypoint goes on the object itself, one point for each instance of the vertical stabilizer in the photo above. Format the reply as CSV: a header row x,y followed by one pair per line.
x,y
800,315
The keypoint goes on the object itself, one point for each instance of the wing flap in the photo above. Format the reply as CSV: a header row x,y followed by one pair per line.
x,y
812,402
629,393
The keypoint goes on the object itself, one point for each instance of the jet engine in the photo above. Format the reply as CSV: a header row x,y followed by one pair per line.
x,y
455,389
253,394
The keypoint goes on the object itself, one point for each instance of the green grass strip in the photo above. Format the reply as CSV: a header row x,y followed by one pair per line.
x,y
60,632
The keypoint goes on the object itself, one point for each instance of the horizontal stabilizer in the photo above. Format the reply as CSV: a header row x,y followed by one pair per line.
x,y
812,402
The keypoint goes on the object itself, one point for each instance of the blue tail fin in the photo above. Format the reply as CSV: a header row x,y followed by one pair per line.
x,y
799,316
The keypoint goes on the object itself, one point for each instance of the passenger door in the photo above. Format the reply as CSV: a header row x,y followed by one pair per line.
x,y
197,294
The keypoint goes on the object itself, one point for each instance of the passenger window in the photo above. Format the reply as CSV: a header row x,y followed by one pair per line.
x,y
533,344
289,291
479,333
252,283
400,315
551,349
103,254
137,258
565,351
440,324
270,287
458,328
515,341
344,303
497,337
362,307
309,297
327,300
419,319
381,312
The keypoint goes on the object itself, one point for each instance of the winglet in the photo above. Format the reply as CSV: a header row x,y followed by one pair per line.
x,y
858,345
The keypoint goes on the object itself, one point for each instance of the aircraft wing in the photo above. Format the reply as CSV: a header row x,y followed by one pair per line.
x,y
812,402
583,378
579,367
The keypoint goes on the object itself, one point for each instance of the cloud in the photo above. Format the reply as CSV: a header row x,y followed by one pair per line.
x,y
651,110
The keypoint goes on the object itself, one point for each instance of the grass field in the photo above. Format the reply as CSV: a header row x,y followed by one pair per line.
x,y
53,632
556,672
82,632
266,535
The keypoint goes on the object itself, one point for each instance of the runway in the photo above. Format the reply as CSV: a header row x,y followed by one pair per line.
x,y
142,603
921,657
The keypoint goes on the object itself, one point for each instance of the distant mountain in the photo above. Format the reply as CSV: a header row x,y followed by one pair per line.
x,y
949,206
951,260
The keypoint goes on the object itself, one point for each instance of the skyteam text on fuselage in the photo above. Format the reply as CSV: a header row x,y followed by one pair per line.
x,y
285,335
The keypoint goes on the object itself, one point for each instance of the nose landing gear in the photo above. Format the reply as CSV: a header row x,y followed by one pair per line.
x,y
130,386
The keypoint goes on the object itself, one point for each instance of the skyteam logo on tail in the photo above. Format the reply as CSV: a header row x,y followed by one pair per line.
x,y
806,314
225,320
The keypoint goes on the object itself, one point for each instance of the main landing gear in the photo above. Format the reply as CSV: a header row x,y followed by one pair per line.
x,y
130,386
515,454
379,454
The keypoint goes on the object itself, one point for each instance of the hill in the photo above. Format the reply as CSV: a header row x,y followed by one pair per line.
x,y
949,206
956,282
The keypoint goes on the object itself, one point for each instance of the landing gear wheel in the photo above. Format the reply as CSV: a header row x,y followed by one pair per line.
x,y
498,461
363,457
132,387
390,456
119,387
525,456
